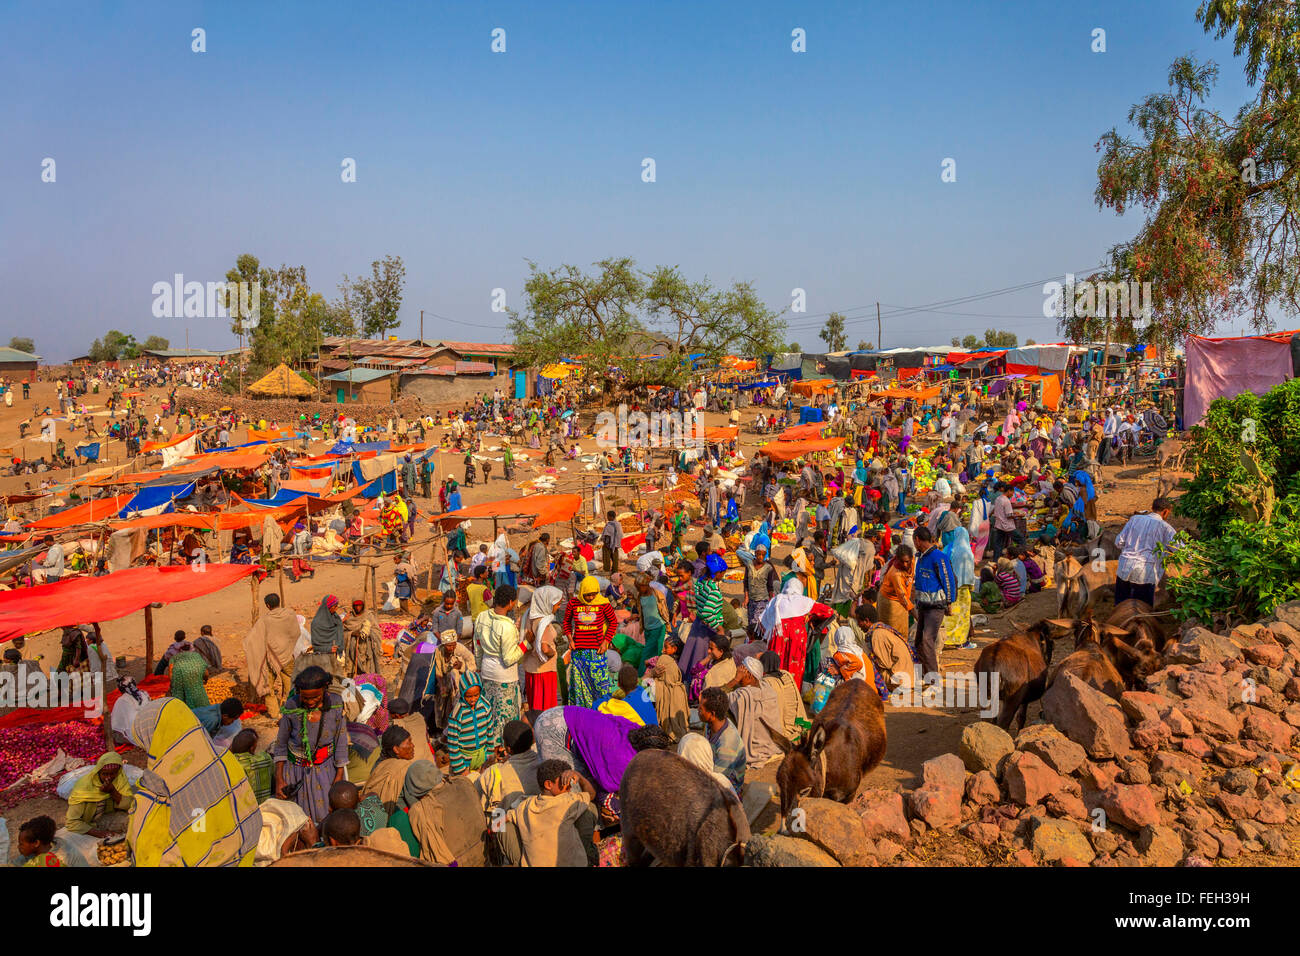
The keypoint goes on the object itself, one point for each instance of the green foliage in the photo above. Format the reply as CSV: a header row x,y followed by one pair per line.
x,y
114,346
369,304
999,339
156,343
22,344
833,333
1246,571
970,343
865,346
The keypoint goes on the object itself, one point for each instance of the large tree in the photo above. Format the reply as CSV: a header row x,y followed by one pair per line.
x,y
616,315
1220,237
371,303
156,343
113,346
832,333
22,344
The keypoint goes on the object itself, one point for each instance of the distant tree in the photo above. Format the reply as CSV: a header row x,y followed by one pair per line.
x,y
864,345
956,342
1030,342
794,347
372,302
22,344
114,346
833,332
970,343
155,343
999,339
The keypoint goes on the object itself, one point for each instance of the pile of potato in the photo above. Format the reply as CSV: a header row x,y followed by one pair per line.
x,y
113,854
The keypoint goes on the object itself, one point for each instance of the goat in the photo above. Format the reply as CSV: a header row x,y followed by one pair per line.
x,y
1018,660
845,742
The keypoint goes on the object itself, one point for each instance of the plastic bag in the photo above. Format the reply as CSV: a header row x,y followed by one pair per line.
x,y
69,779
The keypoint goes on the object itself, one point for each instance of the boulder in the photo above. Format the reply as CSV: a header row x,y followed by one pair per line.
x,y
1267,729
1054,748
983,745
939,807
881,813
1199,645
1131,806
1054,841
775,850
945,772
1150,734
1212,720
1028,779
835,828
1233,755
982,788
1087,716
1270,655
1160,845
1237,807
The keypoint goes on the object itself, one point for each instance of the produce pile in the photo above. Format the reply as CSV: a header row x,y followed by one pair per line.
x,y
24,748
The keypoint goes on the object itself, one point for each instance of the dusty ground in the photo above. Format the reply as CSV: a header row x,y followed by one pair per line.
x,y
915,734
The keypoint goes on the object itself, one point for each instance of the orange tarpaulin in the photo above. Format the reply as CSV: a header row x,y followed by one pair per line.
x,y
99,510
790,450
721,432
1051,383
813,387
739,364
918,394
157,445
271,434
89,600
221,521
906,373
546,509
800,432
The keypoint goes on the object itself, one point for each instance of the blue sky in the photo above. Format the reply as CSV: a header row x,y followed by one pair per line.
x,y
817,170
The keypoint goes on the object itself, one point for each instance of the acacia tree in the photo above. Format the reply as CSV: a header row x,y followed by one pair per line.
x,y
618,315
1220,234
832,333
22,344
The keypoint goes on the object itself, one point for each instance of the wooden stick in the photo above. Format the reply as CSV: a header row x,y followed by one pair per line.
x,y
148,639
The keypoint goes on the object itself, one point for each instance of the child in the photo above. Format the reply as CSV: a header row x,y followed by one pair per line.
x,y
1008,583
259,768
555,827
989,595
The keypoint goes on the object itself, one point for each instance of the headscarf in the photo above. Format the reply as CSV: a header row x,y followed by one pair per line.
x,y
695,750
326,628
956,545
589,592
281,819
422,777
186,781
541,612
791,602
670,695
948,521
87,789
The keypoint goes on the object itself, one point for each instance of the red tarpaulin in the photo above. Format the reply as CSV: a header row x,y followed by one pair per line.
x,y
101,509
88,600
155,687
1226,367
800,432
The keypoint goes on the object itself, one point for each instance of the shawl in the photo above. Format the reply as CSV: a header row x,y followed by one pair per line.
x,y
601,741
421,777
670,695
540,616
749,704
281,819
696,750
589,592
956,545
326,629
791,602
87,789
846,643
186,781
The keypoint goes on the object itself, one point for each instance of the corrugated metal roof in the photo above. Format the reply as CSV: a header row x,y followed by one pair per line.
x,y
16,355
459,368
359,376
477,348
189,353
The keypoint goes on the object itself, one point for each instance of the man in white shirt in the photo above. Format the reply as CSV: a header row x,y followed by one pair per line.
x,y
1140,567
51,569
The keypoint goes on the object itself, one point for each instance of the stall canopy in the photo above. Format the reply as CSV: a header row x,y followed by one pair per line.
x,y
88,600
811,387
156,499
918,394
801,432
544,509
1224,368
721,432
779,451
101,509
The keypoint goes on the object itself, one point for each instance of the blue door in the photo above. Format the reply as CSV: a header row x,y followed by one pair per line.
x,y
521,383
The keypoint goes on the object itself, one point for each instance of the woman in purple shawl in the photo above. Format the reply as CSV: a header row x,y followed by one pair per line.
x,y
595,744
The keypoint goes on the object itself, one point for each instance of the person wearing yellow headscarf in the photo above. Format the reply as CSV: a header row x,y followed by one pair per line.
x,y
101,791
590,624
192,807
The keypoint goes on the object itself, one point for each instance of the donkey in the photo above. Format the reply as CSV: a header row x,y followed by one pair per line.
x,y
677,814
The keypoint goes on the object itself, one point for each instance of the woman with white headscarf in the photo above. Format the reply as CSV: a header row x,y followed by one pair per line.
x,y
541,680
785,623
849,658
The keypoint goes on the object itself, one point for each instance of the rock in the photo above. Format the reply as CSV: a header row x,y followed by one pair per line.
x,y
1181,764
945,772
887,850
1229,845
776,850
982,788
1204,845
1239,781
1139,705
1212,720
983,745
1178,723
1132,807
1233,755
1272,811
1059,840
1063,804
1086,716
1135,770
1251,634
1237,807
1054,748
939,807
1098,776
983,834
881,813
1197,685
1104,841
1028,779
1270,655
1266,728
1198,747
1199,645
1288,614
1150,734
1292,689
836,829
1273,841
1160,845
1284,634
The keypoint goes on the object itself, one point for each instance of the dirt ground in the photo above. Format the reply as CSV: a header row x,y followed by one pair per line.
x,y
915,734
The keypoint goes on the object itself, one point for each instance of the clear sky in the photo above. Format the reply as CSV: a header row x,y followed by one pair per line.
x,y
818,170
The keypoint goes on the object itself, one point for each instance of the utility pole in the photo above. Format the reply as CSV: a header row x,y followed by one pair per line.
x,y
422,326
879,334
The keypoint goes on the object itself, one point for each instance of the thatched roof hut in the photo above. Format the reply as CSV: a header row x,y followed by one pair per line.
x,y
282,382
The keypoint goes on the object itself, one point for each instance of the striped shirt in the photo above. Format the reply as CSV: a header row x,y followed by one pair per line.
x,y
589,625
708,602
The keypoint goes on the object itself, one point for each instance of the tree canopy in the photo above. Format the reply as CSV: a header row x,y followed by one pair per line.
x,y
22,343
833,333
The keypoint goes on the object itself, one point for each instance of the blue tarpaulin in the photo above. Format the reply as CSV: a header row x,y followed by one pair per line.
x,y
384,483
89,452
346,448
281,497
156,498
808,415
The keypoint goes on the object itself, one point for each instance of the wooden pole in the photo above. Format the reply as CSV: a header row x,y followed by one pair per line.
x,y
374,587
148,639
281,583
253,588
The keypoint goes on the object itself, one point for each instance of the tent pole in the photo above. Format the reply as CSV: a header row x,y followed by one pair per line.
x,y
148,639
